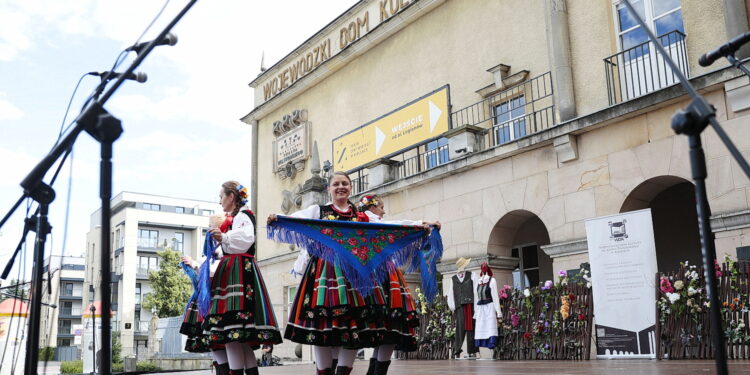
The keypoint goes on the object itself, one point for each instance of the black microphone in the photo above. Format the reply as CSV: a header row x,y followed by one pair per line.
x,y
169,39
728,48
137,76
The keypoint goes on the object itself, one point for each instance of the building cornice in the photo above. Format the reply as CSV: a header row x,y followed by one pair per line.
x,y
379,33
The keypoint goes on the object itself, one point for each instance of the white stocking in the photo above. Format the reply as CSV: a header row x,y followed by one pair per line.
x,y
322,357
346,357
236,355
220,356
385,352
250,360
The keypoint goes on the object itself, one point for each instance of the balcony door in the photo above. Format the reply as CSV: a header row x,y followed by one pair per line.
x,y
641,69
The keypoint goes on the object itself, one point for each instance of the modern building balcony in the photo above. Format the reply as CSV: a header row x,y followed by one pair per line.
x,y
641,69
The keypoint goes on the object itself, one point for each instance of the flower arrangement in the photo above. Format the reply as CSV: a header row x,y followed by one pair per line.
x,y
538,322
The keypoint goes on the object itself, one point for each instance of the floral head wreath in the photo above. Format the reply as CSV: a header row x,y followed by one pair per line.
x,y
367,201
242,191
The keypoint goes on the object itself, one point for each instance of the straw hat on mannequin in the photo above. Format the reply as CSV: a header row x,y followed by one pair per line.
x,y
461,263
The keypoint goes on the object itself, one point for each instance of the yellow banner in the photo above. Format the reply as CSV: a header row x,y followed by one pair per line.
x,y
400,129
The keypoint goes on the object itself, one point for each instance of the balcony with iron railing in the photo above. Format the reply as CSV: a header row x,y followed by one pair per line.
x,y
513,113
506,116
641,69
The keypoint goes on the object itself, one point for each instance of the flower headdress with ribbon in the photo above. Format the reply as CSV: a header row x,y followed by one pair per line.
x,y
368,201
242,192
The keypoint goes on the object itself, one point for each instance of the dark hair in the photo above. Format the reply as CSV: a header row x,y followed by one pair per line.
x,y
485,269
230,188
371,198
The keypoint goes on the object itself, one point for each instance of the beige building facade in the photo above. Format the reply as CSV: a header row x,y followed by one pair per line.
x,y
559,111
142,225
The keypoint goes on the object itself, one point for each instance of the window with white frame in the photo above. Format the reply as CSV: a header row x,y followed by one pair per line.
x,y
179,241
661,16
179,210
152,207
436,153
148,238
510,120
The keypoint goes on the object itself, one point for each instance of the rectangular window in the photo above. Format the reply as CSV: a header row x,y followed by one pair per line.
x,y
207,212
291,292
67,289
510,120
152,207
179,241
437,153
148,238
91,292
66,308
179,210
63,342
64,327
118,239
138,298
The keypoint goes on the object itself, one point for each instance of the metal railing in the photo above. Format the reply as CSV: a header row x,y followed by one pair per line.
x,y
422,161
640,69
516,112
513,113
359,181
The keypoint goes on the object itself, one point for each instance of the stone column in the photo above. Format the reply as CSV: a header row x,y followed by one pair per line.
x,y
735,19
558,42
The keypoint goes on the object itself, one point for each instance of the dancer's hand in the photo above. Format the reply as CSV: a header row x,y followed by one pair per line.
x,y
271,218
431,223
216,234
187,260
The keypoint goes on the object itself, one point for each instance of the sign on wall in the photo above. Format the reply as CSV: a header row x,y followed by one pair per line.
x,y
417,121
292,146
622,255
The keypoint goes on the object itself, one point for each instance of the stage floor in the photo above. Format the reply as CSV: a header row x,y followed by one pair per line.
x,y
482,367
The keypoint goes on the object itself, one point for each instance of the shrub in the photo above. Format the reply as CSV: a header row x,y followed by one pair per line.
x,y
146,366
47,353
71,367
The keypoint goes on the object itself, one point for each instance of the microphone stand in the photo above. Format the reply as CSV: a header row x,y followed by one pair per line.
x,y
692,121
105,128
737,64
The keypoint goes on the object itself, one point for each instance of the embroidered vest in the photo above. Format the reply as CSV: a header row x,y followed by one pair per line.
x,y
484,293
463,292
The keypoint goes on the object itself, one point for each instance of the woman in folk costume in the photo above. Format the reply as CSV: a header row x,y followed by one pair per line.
x,y
240,315
486,309
397,292
192,322
325,328
329,309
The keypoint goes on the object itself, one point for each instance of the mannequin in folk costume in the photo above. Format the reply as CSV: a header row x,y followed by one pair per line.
x,y
374,208
461,302
240,314
192,322
486,309
327,311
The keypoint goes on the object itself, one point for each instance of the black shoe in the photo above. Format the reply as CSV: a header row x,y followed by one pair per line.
x,y
334,363
251,371
373,366
325,371
341,370
237,372
222,369
382,368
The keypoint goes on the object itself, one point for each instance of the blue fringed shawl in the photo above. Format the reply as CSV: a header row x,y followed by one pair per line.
x,y
204,277
190,272
360,249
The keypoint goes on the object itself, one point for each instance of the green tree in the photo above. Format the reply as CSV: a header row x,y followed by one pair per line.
x,y
170,288
15,289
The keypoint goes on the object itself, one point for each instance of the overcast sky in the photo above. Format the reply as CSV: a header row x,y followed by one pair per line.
x,y
182,137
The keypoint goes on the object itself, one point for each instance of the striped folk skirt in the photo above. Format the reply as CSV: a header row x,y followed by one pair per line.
x,y
192,327
327,311
241,310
